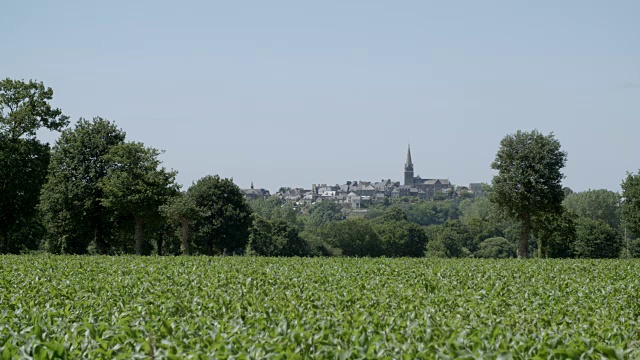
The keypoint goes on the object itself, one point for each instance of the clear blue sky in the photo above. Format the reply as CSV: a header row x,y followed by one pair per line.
x,y
290,93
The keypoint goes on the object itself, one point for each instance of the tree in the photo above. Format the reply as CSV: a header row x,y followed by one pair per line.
x,y
631,202
225,227
182,209
599,204
393,213
496,248
355,237
556,234
135,185
273,208
274,238
529,178
24,108
261,238
596,239
71,199
23,169
449,240
322,213
428,213
401,238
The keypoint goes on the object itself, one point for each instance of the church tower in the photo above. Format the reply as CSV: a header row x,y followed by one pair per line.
x,y
408,169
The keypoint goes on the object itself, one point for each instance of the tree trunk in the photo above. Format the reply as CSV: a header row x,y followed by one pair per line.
x,y
184,237
101,244
523,244
139,235
543,250
160,241
4,242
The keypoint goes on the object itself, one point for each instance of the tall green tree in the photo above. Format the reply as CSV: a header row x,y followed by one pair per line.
x,y
529,178
23,169
71,199
631,202
135,185
274,238
225,227
182,209
24,108
601,204
596,239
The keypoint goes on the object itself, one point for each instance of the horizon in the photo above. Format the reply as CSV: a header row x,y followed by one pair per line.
x,y
290,94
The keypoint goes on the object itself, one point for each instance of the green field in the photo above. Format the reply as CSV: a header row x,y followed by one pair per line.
x,y
203,307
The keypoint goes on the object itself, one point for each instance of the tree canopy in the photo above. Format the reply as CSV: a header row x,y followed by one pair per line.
x,y
136,185
601,204
631,202
24,160
25,108
225,227
529,180
71,200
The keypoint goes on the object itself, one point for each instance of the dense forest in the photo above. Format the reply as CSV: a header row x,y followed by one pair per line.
x,y
97,192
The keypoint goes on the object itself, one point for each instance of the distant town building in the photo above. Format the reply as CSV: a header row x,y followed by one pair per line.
x,y
253,194
358,194
428,187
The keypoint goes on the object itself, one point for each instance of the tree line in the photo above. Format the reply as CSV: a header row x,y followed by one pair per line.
x,y
97,192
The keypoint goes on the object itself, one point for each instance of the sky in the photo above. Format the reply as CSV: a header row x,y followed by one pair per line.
x,y
291,93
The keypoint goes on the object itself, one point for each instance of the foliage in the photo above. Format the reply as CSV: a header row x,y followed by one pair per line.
x,y
401,238
602,204
273,208
71,200
631,202
25,108
556,234
135,185
182,210
529,178
393,213
354,237
23,169
448,240
428,213
76,307
275,238
225,227
322,213
496,248
596,239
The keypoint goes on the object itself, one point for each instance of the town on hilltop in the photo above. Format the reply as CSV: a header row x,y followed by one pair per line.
x,y
359,194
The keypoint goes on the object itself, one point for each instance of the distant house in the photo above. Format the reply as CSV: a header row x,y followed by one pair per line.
x,y
358,193
253,194
476,189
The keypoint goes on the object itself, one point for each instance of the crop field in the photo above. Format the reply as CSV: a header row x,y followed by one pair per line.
x,y
244,307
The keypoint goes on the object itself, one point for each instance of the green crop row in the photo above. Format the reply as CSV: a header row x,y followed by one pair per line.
x,y
341,308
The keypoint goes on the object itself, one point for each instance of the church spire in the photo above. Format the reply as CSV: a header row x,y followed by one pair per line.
x,y
408,164
408,169
252,185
